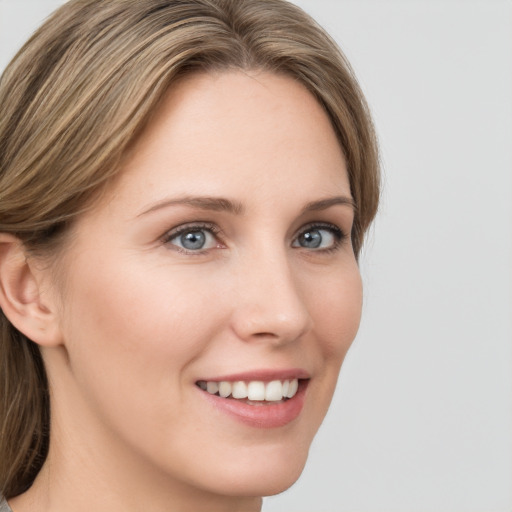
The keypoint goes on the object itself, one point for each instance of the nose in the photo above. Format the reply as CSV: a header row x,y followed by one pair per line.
x,y
270,306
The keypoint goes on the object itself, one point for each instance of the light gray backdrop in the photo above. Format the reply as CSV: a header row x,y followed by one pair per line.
x,y
422,420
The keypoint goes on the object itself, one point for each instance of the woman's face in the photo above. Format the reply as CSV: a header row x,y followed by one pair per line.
x,y
222,255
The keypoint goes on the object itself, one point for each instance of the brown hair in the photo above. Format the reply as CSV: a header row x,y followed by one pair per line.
x,y
78,94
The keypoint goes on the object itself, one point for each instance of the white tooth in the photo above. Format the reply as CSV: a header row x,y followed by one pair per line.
x,y
224,389
294,385
212,387
274,391
239,389
202,385
286,387
256,390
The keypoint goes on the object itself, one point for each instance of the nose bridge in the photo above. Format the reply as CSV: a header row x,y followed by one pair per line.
x,y
270,304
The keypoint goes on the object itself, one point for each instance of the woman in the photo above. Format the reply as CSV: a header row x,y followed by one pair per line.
x,y
184,191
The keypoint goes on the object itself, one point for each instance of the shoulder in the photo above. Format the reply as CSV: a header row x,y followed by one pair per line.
x,y
4,507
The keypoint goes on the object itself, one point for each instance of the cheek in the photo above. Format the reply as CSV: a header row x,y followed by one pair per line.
x,y
134,308
336,312
130,332
335,308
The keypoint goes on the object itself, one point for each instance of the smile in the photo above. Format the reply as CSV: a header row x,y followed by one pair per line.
x,y
261,400
253,392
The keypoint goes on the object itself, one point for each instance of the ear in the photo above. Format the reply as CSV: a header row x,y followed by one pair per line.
x,y
21,294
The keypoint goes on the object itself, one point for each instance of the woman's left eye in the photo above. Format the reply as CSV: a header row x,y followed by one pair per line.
x,y
193,238
322,237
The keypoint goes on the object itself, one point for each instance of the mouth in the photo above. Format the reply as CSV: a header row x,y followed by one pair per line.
x,y
258,403
255,392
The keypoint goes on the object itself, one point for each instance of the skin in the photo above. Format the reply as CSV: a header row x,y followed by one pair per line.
x,y
137,321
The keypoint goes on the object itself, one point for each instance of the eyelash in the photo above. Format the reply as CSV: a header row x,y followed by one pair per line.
x,y
187,228
339,235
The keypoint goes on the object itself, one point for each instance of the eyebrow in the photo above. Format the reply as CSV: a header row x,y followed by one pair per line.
x,y
221,204
323,204
218,204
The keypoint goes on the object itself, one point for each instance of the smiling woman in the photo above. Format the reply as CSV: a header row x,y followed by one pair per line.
x,y
184,190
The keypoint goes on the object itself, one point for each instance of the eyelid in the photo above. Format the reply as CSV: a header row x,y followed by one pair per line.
x,y
321,225
187,227
339,234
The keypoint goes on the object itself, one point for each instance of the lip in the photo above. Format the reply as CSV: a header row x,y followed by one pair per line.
x,y
268,416
262,375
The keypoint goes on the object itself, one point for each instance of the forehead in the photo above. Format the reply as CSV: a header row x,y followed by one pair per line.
x,y
233,133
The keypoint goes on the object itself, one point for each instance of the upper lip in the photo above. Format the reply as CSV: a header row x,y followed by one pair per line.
x,y
265,375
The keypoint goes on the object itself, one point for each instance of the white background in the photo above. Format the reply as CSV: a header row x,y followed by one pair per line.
x,y
422,420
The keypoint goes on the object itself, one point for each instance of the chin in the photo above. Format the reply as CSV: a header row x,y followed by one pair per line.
x,y
260,485
265,477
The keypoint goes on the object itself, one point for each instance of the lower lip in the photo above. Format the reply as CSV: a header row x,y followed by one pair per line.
x,y
261,416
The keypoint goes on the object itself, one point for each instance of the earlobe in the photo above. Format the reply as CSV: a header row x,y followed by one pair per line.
x,y
21,297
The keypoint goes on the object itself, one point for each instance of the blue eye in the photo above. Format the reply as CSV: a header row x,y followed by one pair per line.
x,y
322,237
193,238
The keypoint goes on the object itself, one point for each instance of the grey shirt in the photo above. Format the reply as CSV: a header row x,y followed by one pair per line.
x,y
3,506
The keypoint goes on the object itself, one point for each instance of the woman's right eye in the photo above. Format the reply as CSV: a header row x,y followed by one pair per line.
x,y
193,239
